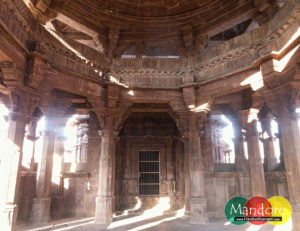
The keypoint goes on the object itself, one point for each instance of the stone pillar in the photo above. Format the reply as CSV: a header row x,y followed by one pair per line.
x,y
83,139
254,157
186,177
11,173
241,162
270,160
179,174
105,195
192,151
278,136
291,153
25,200
59,150
94,148
41,203
207,147
32,137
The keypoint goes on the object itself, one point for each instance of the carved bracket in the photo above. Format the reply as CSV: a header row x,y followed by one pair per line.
x,y
23,102
283,103
36,70
189,97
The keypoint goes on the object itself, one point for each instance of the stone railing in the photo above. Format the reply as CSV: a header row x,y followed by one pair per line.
x,y
64,59
163,64
150,79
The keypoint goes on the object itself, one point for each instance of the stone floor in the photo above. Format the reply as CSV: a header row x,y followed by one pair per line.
x,y
170,222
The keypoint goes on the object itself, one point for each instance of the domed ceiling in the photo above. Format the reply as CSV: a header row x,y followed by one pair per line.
x,y
139,28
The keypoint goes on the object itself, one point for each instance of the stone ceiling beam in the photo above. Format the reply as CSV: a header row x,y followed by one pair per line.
x,y
82,28
43,5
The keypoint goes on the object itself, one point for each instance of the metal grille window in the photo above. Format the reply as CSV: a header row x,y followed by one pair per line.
x,y
149,173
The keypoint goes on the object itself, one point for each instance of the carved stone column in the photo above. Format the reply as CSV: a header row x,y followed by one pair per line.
x,y
31,135
241,162
254,157
105,196
41,203
21,107
11,174
291,153
207,146
192,151
283,102
58,175
278,136
110,116
270,160
186,176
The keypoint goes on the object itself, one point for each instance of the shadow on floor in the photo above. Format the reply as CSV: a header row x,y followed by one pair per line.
x,y
165,222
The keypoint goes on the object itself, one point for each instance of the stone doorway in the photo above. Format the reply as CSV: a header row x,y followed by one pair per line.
x,y
149,159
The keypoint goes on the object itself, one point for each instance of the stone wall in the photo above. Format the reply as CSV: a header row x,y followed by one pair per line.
x,y
222,186
148,131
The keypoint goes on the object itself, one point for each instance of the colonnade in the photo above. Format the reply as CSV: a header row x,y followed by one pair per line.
x,y
191,126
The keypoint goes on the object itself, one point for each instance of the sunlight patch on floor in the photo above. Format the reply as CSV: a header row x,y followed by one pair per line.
x,y
158,210
180,213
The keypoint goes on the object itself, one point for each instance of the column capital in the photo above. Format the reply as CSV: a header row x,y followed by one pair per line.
x,y
269,139
31,131
55,109
61,138
283,101
106,133
22,103
249,121
36,70
190,122
191,135
189,97
112,119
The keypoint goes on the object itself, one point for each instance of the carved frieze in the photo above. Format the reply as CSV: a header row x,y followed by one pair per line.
x,y
10,73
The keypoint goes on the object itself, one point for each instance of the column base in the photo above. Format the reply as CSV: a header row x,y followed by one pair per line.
x,y
187,206
271,165
296,217
241,165
198,212
104,208
40,210
9,217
